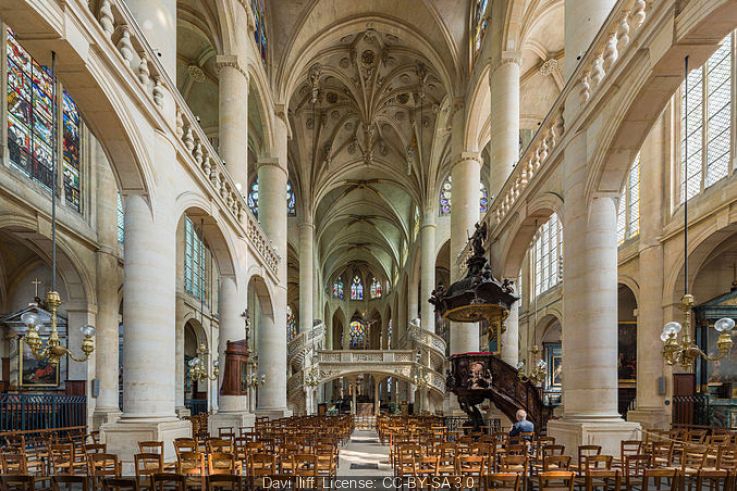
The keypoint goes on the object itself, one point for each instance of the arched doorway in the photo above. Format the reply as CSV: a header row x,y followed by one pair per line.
x,y
195,392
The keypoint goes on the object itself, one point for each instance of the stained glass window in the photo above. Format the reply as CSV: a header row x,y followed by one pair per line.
x,y
71,150
628,209
252,199
196,260
480,23
356,288
709,113
121,220
446,191
291,324
260,33
547,255
338,291
357,334
31,114
376,289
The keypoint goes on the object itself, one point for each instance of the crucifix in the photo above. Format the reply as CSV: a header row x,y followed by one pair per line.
x,y
247,323
36,283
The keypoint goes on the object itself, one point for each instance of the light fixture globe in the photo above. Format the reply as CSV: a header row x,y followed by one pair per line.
x,y
30,319
724,324
88,331
672,327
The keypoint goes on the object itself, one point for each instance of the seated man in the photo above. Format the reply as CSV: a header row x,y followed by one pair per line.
x,y
522,425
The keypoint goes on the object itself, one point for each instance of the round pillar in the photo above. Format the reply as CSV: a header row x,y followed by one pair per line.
x,y
233,122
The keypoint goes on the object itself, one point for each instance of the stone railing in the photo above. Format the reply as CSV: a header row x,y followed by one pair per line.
x,y
616,38
367,356
426,338
126,39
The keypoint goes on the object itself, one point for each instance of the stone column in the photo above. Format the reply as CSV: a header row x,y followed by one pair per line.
x,y
272,175
234,409
108,280
427,267
158,21
504,83
306,274
583,19
412,300
651,411
464,215
510,337
233,133
149,314
181,409
377,401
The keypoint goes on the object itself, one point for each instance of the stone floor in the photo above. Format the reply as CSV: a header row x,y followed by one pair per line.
x,y
364,449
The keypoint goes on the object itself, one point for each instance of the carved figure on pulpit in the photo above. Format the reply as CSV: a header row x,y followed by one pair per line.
x,y
479,376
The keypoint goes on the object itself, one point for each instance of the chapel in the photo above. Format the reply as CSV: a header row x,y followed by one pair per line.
x,y
272,237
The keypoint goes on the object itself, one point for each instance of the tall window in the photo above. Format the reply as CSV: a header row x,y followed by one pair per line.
x,y
547,255
480,23
357,334
196,260
628,209
252,199
709,113
376,289
338,289
121,220
31,112
356,288
446,191
260,33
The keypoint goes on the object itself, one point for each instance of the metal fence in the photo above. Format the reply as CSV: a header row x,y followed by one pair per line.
x,y
196,406
693,410
20,412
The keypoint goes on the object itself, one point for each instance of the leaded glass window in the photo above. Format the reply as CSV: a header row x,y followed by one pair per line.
x,y
338,290
709,115
446,191
196,260
376,289
357,334
628,209
356,288
252,199
121,220
31,113
547,252
291,324
480,23
260,32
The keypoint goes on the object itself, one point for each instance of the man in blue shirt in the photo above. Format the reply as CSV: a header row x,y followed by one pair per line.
x,y
522,425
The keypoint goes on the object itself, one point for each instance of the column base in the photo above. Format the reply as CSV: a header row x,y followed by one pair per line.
x,y
650,418
274,413
103,416
182,412
232,420
122,436
607,432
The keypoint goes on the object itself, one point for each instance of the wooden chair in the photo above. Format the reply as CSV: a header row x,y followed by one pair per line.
x,y
655,476
218,445
146,465
222,482
64,483
221,463
17,483
556,462
634,470
662,454
169,482
151,447
503,481
13,464
304,465
260,465
94,448
120,484
182,445
427,465
556,480
62,459
628,448
470,467
598,473
190,464
584,452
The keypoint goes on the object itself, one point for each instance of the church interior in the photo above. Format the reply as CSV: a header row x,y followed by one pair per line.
x,y
371,239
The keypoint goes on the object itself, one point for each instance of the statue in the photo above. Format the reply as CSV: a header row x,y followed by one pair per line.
x,y
478,238
436,295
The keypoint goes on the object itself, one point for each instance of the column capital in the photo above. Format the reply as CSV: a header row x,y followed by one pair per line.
x,y
271,162
230,61
506,57
466,156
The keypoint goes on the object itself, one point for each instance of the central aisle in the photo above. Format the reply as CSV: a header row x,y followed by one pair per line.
x,y
364,456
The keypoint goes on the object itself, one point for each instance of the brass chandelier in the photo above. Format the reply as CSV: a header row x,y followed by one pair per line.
x,y
537,373
685,351
198,366
53,351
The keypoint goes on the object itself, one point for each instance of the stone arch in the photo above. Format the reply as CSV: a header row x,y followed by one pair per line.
x,y
549,329
647,89
477,116
339,326
518,237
